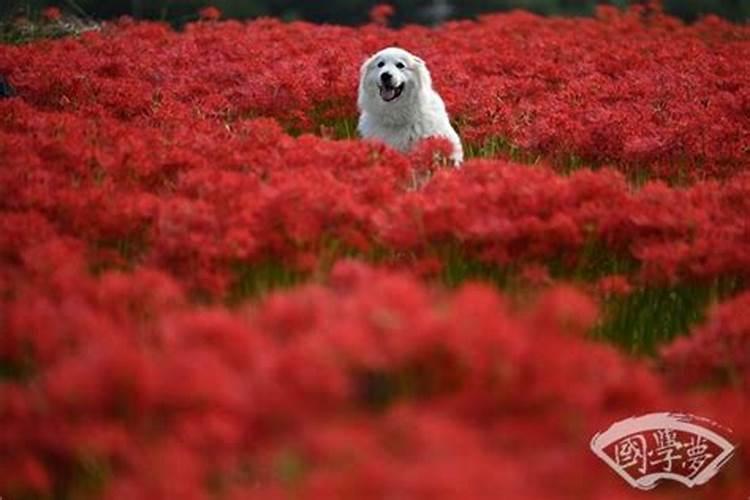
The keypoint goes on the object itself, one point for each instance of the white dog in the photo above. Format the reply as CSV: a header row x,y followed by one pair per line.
x,y
398,105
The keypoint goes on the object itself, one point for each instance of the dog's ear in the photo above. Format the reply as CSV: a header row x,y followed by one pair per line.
x,y
365,66
423,74
363,70
361,89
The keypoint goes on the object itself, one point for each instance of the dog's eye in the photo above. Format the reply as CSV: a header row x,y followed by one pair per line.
x,y
381,64
400,65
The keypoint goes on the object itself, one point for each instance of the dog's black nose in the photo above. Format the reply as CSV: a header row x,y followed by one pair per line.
x,y
386,77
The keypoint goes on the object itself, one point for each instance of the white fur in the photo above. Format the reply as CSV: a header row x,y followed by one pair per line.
x,y
418,113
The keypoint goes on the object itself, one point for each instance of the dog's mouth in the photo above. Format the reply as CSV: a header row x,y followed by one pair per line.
x,y
389,92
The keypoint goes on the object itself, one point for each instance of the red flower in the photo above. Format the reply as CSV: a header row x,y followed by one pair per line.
x,y
51,14
717,352
210,13
614,286
380,13
183,171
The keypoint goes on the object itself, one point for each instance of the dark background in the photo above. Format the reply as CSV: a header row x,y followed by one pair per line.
x,y
355,11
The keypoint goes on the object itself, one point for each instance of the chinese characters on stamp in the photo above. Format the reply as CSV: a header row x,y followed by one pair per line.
x,y
647,449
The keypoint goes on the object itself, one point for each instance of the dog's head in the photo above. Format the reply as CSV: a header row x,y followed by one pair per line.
x,y
391,76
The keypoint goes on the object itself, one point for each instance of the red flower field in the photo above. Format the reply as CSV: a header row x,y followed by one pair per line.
x,y
210,288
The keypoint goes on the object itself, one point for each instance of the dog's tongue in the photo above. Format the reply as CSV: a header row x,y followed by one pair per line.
x,y
387,93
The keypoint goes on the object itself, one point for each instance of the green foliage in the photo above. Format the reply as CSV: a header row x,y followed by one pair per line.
x,y
738,10
650,317
253,281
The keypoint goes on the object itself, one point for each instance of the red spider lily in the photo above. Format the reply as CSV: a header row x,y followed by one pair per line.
x,y
210,13
196,201
549,85
51,14
146,386
380,13
614,285
717,352
141,168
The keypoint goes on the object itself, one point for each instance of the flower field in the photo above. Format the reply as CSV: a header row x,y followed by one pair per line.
x,y
211,289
